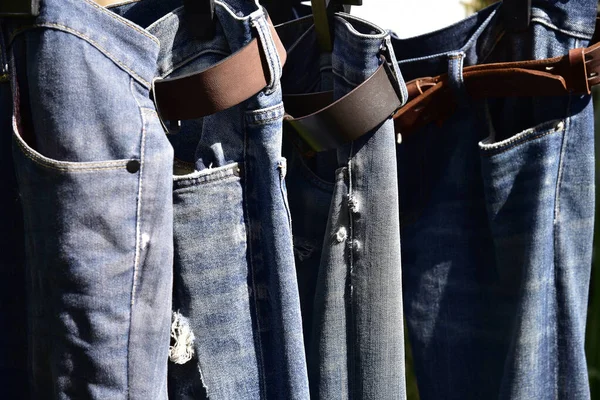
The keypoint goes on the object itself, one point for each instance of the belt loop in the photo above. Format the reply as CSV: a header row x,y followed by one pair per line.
x,y
260,23
388,50
455,74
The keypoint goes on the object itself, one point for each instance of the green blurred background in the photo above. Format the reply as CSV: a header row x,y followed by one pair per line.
x,y
593,323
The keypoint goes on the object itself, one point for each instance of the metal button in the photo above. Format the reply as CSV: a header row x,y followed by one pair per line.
x,y
133,166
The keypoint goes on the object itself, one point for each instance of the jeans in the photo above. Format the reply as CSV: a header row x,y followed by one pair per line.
x,y
134,238
235,288
94,173
497,214
345,219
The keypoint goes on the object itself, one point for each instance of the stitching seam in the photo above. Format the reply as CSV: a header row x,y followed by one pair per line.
x,y
186,182
516,142
266,121
555,230
95,167
93,43
138,222
578,35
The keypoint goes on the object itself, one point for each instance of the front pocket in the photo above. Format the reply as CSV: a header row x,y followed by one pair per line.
x,y
491,147
520,181
70,109
69,166
80,238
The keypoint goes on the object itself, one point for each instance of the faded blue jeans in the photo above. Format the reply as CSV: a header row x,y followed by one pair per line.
x,y
497,214
107,197
345,219
94,172
235,286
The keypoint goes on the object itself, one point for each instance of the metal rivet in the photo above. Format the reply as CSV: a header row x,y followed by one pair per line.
x,y
399,138
560,126
133,166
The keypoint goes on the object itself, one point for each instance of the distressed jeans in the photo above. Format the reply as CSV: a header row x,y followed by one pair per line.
x,y
345,219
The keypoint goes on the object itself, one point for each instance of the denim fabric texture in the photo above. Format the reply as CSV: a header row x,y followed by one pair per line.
x,y
497,208
344,206
105,204
235,287
94,173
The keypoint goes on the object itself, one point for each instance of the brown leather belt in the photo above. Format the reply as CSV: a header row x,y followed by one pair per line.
x,y
325,124
227,83
374,101
431,98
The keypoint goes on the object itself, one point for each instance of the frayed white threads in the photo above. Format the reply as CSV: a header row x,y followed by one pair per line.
x,y
181,332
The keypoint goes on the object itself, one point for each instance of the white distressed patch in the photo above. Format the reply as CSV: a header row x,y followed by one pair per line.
x,y
181,332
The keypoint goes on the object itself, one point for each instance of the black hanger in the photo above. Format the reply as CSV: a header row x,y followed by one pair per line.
x,y
20,8
517,14
200,17
322,13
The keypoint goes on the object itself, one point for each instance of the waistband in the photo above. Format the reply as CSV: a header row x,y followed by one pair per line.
x,y
475,36
127,44
356,49
155,46
178,46
575,17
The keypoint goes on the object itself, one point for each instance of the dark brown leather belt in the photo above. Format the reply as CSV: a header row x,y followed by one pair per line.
x,y
227,83
375,100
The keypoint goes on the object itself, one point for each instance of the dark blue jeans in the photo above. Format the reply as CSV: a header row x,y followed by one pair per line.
x,y
497,210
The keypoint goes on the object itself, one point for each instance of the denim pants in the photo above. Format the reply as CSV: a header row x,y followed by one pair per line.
x,y
345,222
105,205
94,172
235,286
497,213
